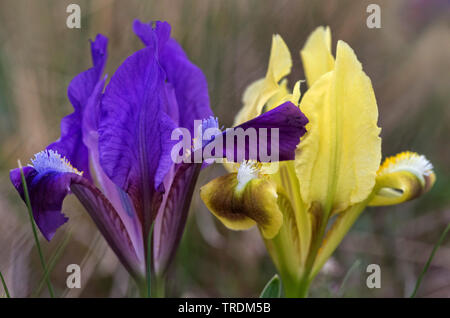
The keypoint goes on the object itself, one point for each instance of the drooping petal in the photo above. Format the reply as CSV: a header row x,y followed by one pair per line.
x,y
286,118
135,133
259,92
47,192
49,181
70,144
316,55
338,158
401,178
184,80
241,200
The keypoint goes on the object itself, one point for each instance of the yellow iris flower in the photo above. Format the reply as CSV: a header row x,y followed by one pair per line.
x,y
305,209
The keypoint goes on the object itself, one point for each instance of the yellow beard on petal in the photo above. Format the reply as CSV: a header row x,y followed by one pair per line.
x,y
407,160
403,177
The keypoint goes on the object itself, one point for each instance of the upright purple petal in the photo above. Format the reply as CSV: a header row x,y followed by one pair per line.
x,y
99,53
81,87
70,144
118,198
134,132
189,83
155,36
187,80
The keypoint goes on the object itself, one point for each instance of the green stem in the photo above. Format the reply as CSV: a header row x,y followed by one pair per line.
x,y
427,265
4,286
303,289
51,264
297,289
160,287
149,263
33,226
305,282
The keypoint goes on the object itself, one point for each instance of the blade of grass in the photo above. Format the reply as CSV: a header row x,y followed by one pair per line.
x,y
352,268
149,262
4,286
427,265
88,263
51,264
33,226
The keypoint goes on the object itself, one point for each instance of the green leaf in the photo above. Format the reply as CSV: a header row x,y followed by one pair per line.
x,y
352,268
33,227
149,262
427,265
272,288
4,285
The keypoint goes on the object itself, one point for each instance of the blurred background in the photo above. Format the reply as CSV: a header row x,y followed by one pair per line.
x,y
408,60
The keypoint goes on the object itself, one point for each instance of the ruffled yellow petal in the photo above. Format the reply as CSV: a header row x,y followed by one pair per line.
x,y
316,55
240,204
251,101
259,92
279,97
280,62
401,178
338,157
296,93
284,95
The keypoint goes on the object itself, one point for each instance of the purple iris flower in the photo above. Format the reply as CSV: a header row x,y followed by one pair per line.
x,y
124,132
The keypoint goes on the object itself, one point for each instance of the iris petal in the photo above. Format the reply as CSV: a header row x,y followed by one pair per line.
x,y
118,198
134,132
261,91
316,55
240,209
339,156
401,178
70,144
172,215
184,79
47,192
289,121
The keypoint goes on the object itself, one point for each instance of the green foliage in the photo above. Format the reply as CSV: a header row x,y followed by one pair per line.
x,y
272,288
